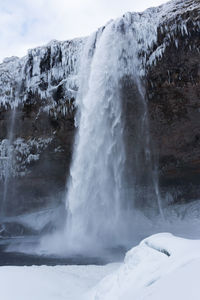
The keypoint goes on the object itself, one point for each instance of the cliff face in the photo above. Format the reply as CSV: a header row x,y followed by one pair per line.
x,y
173,91
171,60
37,95
38,103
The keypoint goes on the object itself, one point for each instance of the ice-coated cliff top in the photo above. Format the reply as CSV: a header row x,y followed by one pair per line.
x,y
44,69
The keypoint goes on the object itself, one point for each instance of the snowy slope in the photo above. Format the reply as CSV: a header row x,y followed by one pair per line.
x,y
160,267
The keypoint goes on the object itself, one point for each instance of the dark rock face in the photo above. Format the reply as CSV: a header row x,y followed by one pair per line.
x,y
37,104
44,179
173,91
37,101
172,84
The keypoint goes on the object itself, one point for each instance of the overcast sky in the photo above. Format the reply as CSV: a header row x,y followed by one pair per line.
x,y
26,24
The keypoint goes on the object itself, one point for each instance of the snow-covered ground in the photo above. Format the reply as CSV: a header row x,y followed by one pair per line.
x,y
160,267
50,283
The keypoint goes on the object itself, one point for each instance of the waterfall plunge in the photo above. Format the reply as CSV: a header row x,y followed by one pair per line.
x,y
107,177
99,210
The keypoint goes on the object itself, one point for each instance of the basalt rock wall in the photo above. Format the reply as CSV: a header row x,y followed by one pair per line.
x,y
173,93
38,104
37,109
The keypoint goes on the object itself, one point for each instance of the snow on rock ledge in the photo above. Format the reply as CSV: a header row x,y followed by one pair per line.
x,y
42,87
15,158
37,106
48,73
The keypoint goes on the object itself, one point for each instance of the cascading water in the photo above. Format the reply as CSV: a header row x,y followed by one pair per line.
x,y
99,209
113,174
9,159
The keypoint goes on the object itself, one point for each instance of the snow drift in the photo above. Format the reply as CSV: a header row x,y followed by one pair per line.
x,y
160,267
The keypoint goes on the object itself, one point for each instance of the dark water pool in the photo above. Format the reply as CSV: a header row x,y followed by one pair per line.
x,y
23,259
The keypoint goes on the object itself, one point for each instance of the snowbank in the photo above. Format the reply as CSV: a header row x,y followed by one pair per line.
x,y
160,267
50,283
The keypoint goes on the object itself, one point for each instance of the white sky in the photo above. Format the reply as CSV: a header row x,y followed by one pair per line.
x,y
26,24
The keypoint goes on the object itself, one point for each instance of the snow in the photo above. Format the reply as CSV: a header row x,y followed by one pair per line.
x,y
58,63
63,67
15,156
50,283
52,65
177,285
162,266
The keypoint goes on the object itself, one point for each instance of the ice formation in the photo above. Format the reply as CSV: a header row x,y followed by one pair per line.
x,y
41,72
96,199
52,75
20,153
58,63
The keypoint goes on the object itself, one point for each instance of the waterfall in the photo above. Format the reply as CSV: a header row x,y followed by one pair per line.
x,y
113,183
99,209
8,166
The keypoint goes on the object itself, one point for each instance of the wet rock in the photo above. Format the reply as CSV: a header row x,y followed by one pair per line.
x,y
173,91
41,89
